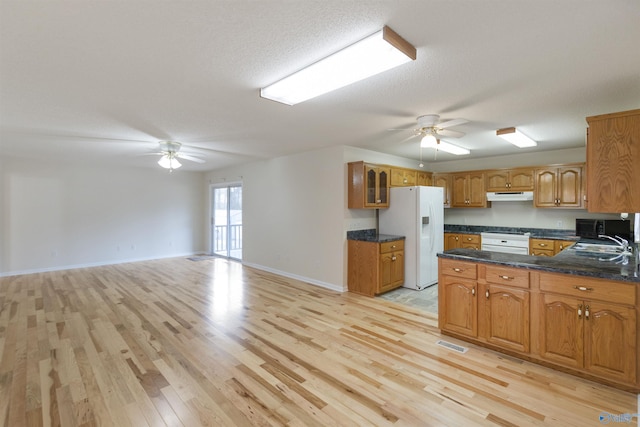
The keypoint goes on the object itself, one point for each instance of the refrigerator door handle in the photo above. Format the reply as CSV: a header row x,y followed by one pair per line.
x,y
433,240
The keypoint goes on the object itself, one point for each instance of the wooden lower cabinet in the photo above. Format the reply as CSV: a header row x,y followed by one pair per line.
x,y
457,240
581,325
561,245
541,247
374,268
596,332
564,344
547,247
504,314
459,305
487,303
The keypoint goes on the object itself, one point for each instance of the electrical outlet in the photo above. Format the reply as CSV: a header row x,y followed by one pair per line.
x,y
560,224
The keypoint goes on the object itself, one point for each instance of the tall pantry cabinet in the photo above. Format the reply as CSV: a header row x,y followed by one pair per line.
x,y
613,162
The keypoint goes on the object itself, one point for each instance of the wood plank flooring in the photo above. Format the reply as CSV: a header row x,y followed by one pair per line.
x,y
187,343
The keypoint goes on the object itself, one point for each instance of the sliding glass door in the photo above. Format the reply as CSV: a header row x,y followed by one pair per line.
x,y
226,221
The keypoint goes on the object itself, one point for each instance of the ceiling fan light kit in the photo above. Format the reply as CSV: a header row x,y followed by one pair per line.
x,y
515,137
429,141
169,161
372,55
430,129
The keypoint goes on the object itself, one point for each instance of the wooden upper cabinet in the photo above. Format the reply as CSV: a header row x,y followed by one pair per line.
x,y
468,190
613,159
520,179
443,180
401,177
558,187
425,178
368,186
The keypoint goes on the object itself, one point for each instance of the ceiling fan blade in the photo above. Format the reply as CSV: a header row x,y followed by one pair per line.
x,y
454,122
196,148
191,158
411,137
451,133
69,136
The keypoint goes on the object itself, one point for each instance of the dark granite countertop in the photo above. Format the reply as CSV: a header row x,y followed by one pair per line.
x,y
536,233
371,235
567,262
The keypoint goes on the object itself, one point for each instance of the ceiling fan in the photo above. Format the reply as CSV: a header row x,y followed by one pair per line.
x,y
430,129
170,152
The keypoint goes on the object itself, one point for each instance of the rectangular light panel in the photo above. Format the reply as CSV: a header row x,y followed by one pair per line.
x,y
515,137
372,55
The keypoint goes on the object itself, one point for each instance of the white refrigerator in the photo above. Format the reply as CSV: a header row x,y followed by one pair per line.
x,y
418,214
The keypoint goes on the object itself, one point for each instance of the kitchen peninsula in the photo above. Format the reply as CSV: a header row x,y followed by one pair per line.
x,y
573,312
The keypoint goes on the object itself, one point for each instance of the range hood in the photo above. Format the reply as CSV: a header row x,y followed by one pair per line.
x,y
511,196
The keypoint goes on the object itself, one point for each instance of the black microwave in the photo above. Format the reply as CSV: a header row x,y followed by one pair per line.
x,y
592,228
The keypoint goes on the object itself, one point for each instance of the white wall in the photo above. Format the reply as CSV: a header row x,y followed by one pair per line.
x,y
293,209
57,216
521,215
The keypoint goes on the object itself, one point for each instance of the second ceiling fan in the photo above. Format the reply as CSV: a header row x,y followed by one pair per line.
x,y
430,129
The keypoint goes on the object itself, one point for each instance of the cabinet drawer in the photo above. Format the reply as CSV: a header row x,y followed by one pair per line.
x,y
396,245
542,252
457,268
471,238
507,276
588,288
544,244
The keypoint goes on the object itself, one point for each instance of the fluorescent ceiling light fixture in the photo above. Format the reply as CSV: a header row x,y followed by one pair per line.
x,y
430,141
372,55
169,161
516,137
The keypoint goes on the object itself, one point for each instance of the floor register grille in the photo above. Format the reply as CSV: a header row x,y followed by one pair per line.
x,y
452,346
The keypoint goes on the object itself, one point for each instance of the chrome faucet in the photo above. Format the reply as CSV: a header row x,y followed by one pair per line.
x,y
623,244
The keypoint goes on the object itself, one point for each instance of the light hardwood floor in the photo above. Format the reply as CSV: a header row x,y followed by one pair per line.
x,y
179,342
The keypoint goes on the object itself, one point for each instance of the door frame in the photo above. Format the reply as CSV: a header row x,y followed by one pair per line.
x,y
211,212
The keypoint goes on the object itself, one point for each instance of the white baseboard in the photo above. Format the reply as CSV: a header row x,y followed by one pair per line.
x,y
93,264
309,280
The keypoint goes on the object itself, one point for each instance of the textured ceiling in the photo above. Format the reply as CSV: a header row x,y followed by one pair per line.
x,y
103,81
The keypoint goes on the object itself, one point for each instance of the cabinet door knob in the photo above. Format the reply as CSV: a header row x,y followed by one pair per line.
x,y
473,291
586,312
393,258
486,294
580,311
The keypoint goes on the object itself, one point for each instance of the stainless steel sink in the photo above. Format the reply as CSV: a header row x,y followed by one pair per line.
x,y
597,248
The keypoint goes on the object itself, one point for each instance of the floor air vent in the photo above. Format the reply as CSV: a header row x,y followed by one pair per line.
x,y
451,346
